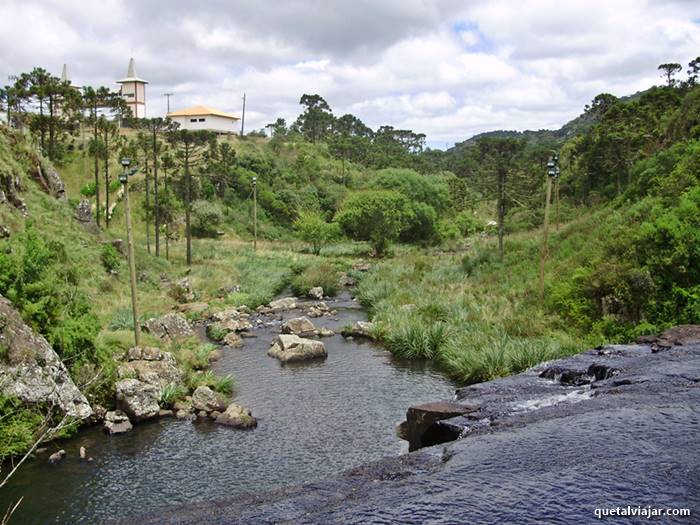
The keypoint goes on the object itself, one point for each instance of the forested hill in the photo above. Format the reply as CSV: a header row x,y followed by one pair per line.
x,y
574,127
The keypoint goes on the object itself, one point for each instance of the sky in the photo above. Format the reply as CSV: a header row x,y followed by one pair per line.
x,y
446,68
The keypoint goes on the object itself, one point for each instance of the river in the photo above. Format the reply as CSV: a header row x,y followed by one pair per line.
x,y
314,420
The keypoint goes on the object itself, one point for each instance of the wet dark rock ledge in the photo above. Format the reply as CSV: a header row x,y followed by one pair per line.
x,y
611,427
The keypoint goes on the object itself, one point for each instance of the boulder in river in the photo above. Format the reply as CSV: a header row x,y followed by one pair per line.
x,y
139,400
288,348
169,326
57,456
316,293
151,365
32,371
286,303
116,422
301,326
237,416
360,329
233,340
204,398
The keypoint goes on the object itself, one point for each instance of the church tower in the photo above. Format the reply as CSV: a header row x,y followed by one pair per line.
x,y
133,91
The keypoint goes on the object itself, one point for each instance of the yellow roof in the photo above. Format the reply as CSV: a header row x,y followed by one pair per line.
x,y
196,111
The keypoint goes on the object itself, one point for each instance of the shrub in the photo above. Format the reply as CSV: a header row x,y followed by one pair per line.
x,y
221,384
375,216
206,218
171,393
313,229
88,190
18,427
111,258
467,223
324,275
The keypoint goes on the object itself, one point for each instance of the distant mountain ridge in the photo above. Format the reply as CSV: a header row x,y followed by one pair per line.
x,y
576,126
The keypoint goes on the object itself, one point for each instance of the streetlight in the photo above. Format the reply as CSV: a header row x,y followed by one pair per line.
x,y
552,174
124,179
255,213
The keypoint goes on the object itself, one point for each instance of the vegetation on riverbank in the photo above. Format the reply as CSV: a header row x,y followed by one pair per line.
x,y
623,262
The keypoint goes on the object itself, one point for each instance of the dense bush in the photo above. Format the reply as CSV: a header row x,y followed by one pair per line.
x,y
39,279
111,258
375,216
88,190
18,427
313,229
206,219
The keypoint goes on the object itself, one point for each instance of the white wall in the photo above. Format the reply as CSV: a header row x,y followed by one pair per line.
x,y
211,122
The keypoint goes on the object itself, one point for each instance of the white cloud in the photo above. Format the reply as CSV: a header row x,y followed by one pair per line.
x,y
443,67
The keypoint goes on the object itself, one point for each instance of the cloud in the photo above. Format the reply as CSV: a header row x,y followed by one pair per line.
x,y
447,68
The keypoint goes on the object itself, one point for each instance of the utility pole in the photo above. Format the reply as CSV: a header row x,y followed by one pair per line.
x,y
556,196
167,97
255,213
243,116
130,244
552,174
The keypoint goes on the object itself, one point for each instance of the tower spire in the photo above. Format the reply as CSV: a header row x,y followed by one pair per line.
x,y
131,73
65,77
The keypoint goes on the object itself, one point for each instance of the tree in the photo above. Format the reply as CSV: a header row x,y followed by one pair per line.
x,y
190,147
313,229
100,102
109,140
155,127
668,71
48,105
499,154
375,216
693,71
317,118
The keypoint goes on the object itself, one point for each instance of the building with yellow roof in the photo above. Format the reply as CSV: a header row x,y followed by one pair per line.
x,y
204,117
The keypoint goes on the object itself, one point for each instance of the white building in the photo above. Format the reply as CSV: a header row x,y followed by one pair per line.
x,y
203,117
133,91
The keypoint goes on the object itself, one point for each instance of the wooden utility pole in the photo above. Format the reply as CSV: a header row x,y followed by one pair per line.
x,y
556,198
243,116
255,213
130,246
551,175
167,98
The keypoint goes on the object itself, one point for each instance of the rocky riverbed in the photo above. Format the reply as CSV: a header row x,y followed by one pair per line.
x,y
613,427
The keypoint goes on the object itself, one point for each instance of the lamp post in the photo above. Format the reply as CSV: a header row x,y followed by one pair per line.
x,y
552,174
255,213
124,178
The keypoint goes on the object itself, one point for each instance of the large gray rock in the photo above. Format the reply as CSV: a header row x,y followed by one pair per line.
x,y
204,398
137,399
362,329
316,293
288,348
169,326
299,326
83,212
116,422
32,371
233,340
286,303
237,416
151,365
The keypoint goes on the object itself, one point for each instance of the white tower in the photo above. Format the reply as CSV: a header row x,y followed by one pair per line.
x,y
133,91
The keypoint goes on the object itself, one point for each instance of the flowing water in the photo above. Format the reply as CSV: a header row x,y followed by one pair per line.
x,y
314,419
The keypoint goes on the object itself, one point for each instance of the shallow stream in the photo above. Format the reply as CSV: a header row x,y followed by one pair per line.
x,y
314,419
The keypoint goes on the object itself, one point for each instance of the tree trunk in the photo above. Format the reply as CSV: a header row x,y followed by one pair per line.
x,y
97,167
148,206
188,200
501,209
155,192
107,178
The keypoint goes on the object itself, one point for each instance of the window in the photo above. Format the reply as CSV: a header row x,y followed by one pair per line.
x,y
202,119
193,120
